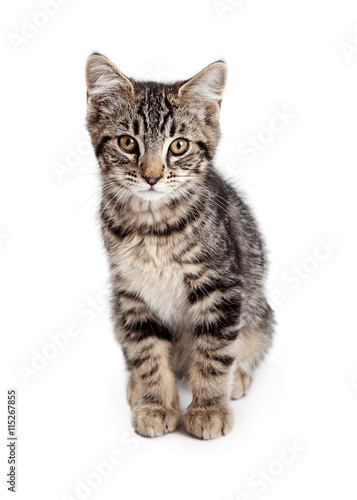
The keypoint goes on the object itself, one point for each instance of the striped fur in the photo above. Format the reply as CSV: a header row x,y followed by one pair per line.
x,y
186,257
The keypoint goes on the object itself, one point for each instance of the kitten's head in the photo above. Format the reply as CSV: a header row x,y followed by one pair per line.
x,y
153,140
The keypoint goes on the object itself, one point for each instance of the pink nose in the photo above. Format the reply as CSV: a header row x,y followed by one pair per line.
x,y
152,180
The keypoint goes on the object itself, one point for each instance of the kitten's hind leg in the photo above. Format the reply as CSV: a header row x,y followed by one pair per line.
x,y
253,343
241,384
132,392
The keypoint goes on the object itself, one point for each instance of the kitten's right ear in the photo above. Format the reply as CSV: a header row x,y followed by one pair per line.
x,y
203,92
106,85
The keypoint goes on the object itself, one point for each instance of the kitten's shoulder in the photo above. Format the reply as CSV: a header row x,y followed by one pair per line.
x,y
223,188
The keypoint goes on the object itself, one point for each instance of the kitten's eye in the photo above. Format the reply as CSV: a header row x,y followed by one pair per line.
x,y
128,144
178,147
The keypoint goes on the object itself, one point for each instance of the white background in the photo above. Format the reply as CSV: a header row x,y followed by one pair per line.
x,y
300,56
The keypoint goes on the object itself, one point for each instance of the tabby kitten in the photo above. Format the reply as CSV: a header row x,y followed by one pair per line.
x,y
186,258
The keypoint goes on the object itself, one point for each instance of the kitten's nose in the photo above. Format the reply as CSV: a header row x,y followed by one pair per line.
x,y
152,180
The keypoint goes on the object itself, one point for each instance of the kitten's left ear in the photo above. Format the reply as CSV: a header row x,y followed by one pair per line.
x,y
203,93
106,85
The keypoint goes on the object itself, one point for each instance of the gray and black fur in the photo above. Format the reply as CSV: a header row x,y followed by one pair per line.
x,y
186,257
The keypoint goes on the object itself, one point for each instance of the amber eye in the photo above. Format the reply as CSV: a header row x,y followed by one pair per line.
x,y
128,144
178,147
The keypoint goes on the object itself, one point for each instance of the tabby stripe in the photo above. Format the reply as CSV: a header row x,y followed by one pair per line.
x,y
214,328
143,116
133,311
226,307
224,360
124,124
119,231
230,336
182,223
185,250
178,226
210,371
202,258
172,129
153,399
144,329
190,277
137,362
164,121
150,373
153,382
204,147
213,401
128,295
202,291
168,104
136,127
100,147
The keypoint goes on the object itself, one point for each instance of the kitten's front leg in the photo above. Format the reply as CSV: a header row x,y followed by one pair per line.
x,y
211,376
152,391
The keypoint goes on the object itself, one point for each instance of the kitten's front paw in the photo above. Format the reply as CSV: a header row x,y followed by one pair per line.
x,y
154,420
207,422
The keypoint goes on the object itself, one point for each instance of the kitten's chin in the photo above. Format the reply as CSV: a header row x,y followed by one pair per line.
x,y
150,194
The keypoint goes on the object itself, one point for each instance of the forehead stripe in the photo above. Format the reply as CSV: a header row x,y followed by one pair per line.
x,y
136,127
141,113
164,121
172,129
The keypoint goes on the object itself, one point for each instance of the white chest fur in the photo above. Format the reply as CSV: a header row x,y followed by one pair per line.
x,y
147,267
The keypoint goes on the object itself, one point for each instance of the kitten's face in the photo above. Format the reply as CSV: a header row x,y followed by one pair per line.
x,y
153,141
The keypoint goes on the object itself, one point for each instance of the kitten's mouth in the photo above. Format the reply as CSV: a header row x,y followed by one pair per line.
x,y
150,193
149,190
